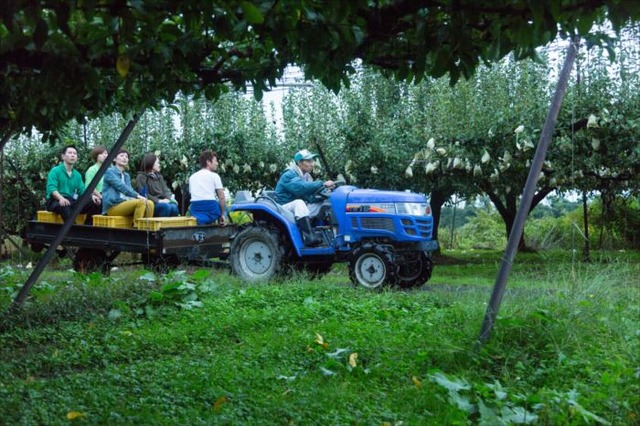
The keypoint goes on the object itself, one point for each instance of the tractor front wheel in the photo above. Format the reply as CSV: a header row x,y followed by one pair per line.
x,y
415,271
372,267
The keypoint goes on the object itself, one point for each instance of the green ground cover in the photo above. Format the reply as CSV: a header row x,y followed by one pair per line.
x,y
200,347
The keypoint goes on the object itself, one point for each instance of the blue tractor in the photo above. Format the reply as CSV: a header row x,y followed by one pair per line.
x,y
384,236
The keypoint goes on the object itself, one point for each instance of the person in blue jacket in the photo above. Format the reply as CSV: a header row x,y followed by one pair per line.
x,y
296,192
118,196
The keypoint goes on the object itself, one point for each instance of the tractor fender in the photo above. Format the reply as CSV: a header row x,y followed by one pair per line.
x,y
272,213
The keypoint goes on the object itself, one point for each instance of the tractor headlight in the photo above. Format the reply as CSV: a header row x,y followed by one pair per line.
x,y
413,209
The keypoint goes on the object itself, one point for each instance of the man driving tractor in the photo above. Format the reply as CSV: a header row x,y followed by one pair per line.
x,y
296,192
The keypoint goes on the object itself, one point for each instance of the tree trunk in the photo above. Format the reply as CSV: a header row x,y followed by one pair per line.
x,y
437,200
5,139
509,219
453,224
509,208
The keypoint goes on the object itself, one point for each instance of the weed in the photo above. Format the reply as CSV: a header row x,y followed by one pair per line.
x,y
134,348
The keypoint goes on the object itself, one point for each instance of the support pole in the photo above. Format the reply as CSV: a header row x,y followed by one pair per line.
x,y
527,195
2,234
85,197
586,251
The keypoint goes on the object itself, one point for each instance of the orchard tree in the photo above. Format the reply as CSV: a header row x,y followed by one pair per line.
x,y
67,60
601,130
312,117
482,134
605,119
363,132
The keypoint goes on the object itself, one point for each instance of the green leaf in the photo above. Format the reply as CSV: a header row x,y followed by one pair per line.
x,y
327,372
487,416
208,286
462,402
171,287
156,296
190,304
588,415
114,314
585,23
449,384
200,274
517,415
251,13
149,276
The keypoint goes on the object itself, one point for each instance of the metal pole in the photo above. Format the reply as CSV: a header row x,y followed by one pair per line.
x,y
44,261
2,234
586,252
527,195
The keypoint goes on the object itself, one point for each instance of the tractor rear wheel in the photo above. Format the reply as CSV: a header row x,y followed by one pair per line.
x,y
256,254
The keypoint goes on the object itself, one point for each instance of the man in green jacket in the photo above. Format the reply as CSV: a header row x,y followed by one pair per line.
x,y
65,186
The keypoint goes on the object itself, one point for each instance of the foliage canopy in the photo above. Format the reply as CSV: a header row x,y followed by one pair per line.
x,y
79,59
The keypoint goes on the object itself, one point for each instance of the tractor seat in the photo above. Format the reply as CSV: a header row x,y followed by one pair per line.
x,y
267,198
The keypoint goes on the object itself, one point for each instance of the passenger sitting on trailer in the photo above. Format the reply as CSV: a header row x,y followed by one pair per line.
x,y
65,186
98,154
118,196
207,193
150,183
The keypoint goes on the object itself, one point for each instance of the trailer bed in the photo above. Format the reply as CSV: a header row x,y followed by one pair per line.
x,y
186,243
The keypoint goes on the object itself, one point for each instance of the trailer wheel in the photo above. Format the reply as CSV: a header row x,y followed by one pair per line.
x,y
256,254
160,263
415,272
372,267
87,260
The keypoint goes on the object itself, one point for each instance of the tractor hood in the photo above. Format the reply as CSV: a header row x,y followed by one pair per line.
x,y
381,196
352,199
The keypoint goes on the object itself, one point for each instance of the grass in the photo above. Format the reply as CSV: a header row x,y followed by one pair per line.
x,y
201,347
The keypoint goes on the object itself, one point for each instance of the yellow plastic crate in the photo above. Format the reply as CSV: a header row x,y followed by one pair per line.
x,y
240,217
113,221
51,217
155,223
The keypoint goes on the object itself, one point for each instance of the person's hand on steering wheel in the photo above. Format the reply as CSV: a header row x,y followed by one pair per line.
x,y
324,191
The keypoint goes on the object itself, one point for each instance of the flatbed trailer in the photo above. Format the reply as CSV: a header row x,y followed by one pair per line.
x,y
95,248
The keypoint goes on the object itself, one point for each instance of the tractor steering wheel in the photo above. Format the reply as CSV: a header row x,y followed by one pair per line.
x,y
323,192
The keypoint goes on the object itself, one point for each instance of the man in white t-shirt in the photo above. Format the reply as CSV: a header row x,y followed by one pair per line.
x,y
207,193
